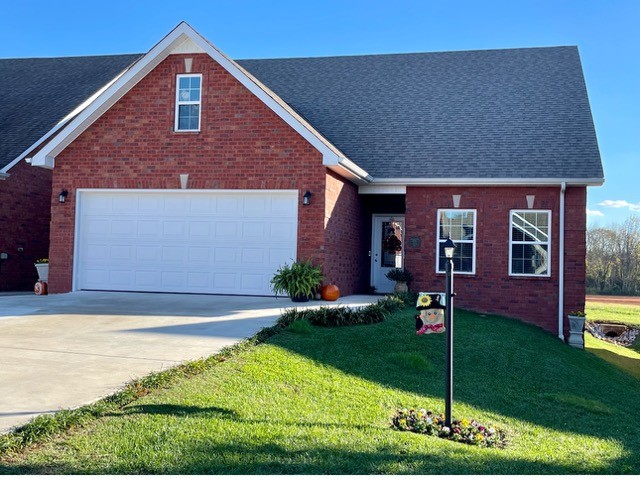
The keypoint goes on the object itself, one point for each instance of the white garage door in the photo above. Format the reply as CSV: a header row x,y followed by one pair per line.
x,y
227,242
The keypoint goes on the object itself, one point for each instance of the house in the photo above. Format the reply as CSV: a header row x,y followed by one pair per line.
x,y
191,172
36,99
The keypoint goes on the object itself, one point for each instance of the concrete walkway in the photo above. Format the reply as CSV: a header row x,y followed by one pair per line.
x,y
63,351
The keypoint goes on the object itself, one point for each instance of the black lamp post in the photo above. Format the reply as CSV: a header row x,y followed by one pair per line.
x,y
449,249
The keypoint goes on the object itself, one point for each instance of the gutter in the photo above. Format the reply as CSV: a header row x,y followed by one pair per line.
x,y
488,181
4,176
563,188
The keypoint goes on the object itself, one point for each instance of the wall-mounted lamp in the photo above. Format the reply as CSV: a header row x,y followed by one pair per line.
x,y
62,197
306,199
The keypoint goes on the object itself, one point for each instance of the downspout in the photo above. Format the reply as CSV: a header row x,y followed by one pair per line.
x,y
563,187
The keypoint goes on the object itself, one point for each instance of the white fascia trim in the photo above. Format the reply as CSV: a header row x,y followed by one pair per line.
x,y
349,170
56,128
488,181
108,97
382,190
331,155
4,175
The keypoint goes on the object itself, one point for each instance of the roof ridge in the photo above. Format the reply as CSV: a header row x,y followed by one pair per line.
x,y
376,55
73,57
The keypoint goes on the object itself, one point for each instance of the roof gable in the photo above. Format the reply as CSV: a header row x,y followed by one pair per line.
x,y
180,40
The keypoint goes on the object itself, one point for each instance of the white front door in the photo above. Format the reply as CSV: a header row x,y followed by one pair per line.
x,y
387,250
184,241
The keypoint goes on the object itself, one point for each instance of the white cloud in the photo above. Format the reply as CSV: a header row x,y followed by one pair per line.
x,y
594,213
620,204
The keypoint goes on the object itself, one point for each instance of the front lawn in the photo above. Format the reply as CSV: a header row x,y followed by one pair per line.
x,y
318,401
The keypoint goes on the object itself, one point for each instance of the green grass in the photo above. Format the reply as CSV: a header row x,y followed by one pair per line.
x,y
318,401
616,313
627,359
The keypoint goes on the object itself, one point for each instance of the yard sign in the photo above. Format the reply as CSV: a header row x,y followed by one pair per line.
x,y
431,307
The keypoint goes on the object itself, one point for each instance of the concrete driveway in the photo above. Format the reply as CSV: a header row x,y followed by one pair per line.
x,y
66,350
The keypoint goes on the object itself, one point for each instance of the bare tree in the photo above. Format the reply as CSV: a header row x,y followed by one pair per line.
x,y
613,258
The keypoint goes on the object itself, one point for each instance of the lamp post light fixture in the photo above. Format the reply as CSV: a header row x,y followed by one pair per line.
x,y
306,198
449,250
62,197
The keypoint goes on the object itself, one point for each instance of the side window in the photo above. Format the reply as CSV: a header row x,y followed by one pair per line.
x,y
188,102
529,243
460,226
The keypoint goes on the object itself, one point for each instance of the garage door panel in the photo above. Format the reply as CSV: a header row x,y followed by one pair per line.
x,y
218,242
149,228
123,228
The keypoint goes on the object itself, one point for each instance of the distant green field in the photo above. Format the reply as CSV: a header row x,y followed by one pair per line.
x,y
625,358
618,313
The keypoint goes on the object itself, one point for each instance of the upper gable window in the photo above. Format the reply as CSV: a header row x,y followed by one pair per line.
x,y
188,101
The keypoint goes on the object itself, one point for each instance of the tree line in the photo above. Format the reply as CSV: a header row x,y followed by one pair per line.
x,y
613,258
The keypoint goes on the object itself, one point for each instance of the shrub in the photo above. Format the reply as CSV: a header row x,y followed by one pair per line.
x,y
407,298
329,317
401,275
301,279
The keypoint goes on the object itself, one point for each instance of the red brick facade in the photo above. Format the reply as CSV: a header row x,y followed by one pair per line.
x,y
344,262
24,225
242,145
491,289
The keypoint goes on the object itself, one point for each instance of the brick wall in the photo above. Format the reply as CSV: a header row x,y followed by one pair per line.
x,y
345,264
24,223
491,289
242,145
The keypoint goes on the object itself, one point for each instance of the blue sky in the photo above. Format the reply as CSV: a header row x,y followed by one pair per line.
x,y
607,33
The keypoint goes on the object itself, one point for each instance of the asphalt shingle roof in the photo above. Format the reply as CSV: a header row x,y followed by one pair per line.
x,y
36,93
517,113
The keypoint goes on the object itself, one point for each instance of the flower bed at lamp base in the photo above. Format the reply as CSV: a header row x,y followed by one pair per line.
x,y
464,430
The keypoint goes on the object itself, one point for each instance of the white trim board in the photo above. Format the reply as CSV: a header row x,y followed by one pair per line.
x,y
332,157
488,181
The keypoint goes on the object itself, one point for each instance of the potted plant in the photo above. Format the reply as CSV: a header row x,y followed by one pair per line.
x,y
576,329
42,266
299,281
401,277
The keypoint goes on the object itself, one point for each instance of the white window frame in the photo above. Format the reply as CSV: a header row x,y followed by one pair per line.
x,y
475,236
180,103
547,243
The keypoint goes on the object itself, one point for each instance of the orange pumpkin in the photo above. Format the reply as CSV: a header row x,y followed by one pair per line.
x,y
330,292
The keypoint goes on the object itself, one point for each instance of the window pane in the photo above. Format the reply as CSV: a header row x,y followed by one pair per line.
x,y
462,258
188,117
391,246
195,95
530,227
456,225
184,82
529,259
195,82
